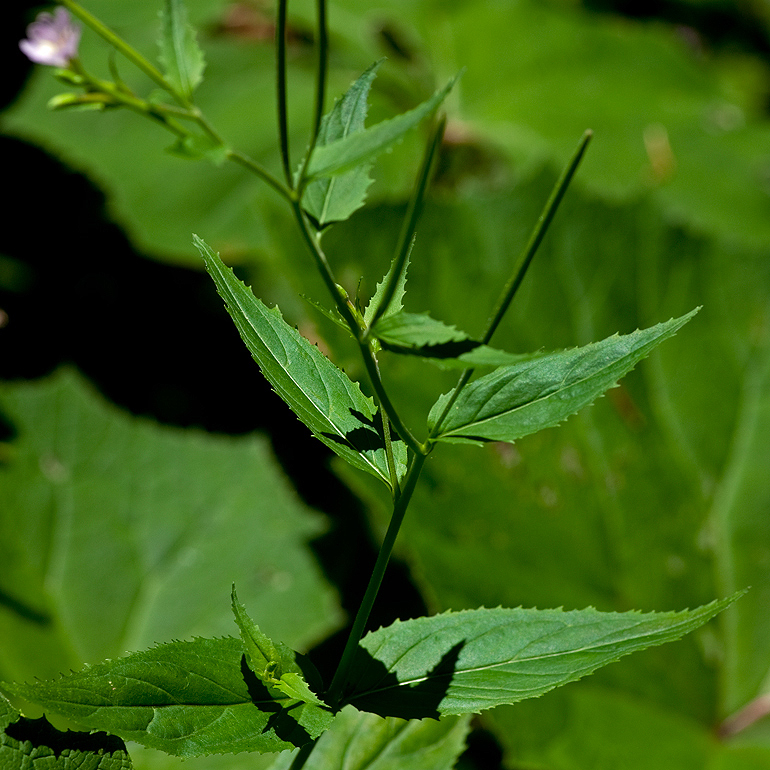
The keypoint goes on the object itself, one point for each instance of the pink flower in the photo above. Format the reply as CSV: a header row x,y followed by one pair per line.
x,y
52,39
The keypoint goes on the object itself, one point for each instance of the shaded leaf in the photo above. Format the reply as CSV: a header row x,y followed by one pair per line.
x,y
333,199
184,698
464,662
35,743
319,393
356,148
361,741
514,401
179,50
446,346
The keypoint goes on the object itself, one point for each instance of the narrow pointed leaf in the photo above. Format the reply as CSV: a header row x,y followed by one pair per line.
x,y
184,698
397,300
35,743
261,654
179,51
464,662
318,392
356,148
514,401
273,663
334,199
331,315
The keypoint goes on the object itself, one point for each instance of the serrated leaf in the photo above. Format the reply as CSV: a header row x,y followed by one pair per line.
x,y
361,741
320,394
464,662
334,199
514,401
35,743
273,663
179,51
261,655
362,146
397,300
185,698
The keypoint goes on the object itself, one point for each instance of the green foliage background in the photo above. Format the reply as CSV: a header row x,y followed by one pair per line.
x,y
655,498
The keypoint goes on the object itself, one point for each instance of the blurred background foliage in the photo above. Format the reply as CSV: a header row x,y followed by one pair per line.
x,y
655,498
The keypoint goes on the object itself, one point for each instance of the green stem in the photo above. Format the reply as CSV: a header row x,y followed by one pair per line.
x,y
536,238
520,269
261,172
283,117
384,400
340,678
128,51
410,221
320,91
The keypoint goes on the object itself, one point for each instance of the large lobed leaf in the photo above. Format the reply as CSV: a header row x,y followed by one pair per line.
x,y
361,741
35,743
184,698
117,533
514,401
320,394
464,662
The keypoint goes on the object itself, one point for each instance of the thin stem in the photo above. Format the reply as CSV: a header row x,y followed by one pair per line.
x,y
283,118
387,405
536,238
261,172
410,221
320,90
520,270
340,300
339,680
128,51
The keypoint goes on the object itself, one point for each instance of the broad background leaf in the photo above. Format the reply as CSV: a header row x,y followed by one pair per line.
x,y
117,533
361,741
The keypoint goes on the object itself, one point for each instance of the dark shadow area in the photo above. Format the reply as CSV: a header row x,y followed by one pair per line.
x,y
282,722
443,350
24,610
380,692
714,24
43,735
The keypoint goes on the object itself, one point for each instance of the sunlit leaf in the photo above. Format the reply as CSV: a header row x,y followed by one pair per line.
x,y
333,199
361,741
184,698
464,662
319,393
356,148
514,401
